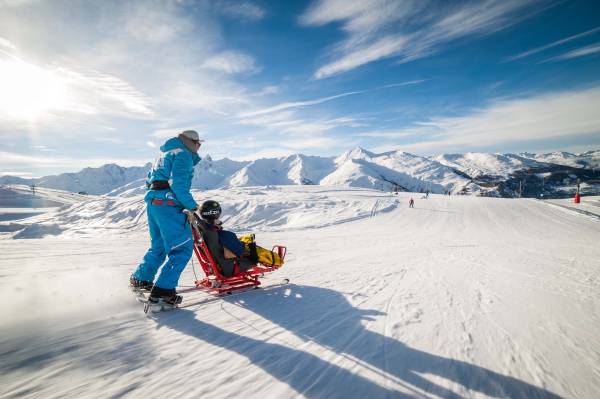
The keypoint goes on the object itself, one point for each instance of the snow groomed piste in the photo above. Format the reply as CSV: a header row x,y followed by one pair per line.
x,y
458,297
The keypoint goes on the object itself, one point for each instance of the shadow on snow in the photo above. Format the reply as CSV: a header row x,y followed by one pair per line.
x,y
326,318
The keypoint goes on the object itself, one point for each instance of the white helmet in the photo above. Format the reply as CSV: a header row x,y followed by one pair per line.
x,y
192,135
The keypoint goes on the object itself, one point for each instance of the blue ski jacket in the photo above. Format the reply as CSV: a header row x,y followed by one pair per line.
x,y
175,164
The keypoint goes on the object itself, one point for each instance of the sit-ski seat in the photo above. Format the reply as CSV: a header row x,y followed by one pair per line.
x,y
227,266
223,276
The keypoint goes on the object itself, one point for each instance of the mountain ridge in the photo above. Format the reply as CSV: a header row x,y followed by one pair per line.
x,y
468,173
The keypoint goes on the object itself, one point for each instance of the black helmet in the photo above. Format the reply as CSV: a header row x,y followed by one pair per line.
x,y
210,210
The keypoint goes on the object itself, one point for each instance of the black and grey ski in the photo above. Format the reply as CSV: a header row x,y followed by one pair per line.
x,y
189,298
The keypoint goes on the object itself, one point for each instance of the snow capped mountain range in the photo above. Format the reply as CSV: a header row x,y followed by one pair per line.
x,y
96,181
463,173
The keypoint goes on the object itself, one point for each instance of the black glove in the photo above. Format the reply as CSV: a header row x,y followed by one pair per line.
x,y
253,256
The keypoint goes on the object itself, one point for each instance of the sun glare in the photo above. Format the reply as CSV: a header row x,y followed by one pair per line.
x,y
28,91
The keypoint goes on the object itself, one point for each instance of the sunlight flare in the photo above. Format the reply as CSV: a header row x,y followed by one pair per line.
x,y
28,91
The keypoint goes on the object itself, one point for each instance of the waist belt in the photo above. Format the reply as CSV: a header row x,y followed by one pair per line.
x,y
160,185
157,201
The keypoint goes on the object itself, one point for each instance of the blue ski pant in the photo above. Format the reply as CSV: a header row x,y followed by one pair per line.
x,y
170,236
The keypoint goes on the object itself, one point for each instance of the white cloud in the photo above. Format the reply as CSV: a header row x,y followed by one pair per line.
x,y
358,15
240,9
24,175
312,143
232,62
34,91
111,140
298,104
151,46
166,133
100,92
286,122
391,134
550,45
381,48
18,161
267,153
131,67
380,29
42,148
547,116
348,121
155,25
151,144
289,123
579,52
7,44
271,89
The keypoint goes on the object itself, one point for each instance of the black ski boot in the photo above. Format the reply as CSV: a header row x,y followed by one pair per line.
x,y
161,296
140,285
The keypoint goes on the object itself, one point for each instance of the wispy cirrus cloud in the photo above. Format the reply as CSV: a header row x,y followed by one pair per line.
x,y
147,68
240,9
231,62
575,53
42,148
547,116
36,164
381,29
7,44
288,122
30,90
551,45
295,104
305,103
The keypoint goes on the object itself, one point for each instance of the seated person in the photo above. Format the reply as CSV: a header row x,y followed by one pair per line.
x,y
243,248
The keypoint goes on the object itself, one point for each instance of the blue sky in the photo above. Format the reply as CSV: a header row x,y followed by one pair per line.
x,y
87,83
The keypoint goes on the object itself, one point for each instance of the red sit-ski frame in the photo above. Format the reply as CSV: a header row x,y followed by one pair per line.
x,y
218,284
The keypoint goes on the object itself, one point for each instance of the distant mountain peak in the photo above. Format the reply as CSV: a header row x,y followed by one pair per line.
x,y
357,167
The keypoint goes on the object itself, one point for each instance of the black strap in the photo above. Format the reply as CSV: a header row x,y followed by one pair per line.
x,y
160,185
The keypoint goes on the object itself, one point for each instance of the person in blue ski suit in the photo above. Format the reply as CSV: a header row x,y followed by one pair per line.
x,y
170,207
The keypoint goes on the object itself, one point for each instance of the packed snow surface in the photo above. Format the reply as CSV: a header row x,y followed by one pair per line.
x,y
268,208
458,297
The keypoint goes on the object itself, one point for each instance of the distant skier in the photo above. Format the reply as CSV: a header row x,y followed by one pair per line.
x,y
411,203
170,208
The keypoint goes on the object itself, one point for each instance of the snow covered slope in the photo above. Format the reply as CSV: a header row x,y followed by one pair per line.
x,y
95,180
476,164
21,202
459,297
437,177
294,169
211,174
362,168
20,196
589,159
257,208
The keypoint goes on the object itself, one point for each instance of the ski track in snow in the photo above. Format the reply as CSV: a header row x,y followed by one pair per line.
x,y
458,297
